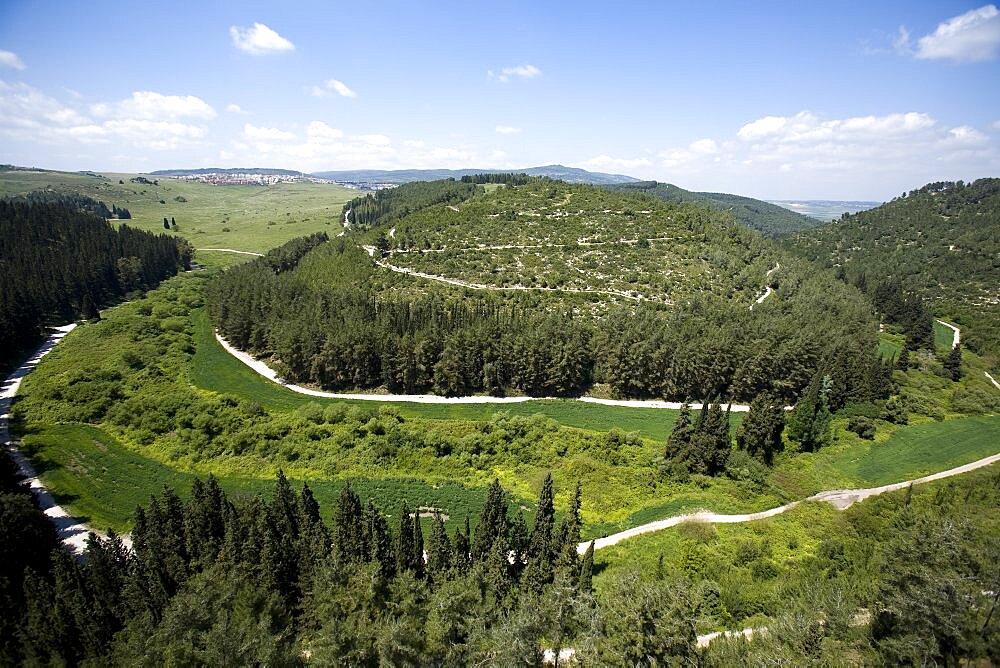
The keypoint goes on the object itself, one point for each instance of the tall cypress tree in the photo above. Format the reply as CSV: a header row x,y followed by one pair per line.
x,y
540,553
404,546
953,363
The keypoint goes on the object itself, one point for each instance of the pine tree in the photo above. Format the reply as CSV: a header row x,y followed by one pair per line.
x,y
540,554
953,363
809,424
760,432
587,569
417,556
680,435
404,546
903,361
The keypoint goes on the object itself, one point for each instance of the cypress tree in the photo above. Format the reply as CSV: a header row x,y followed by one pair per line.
x,y
463,547
166,223
417,556
347,526
379,539
953,363
404,548
569,534
903,361
493,523
680,435
587,570
438,549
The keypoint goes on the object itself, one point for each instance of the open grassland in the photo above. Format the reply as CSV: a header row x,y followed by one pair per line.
x,y
944,337
102,482
251,218
743,573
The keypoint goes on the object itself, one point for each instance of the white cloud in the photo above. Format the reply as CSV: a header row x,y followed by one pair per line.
x,y
507,130
608,163
272,134
235,109
522,71
30,115
331,86
154,106
704,147
259,40
970,37
374,140
964,134
762,127
10,59
805,127
416,143
320,131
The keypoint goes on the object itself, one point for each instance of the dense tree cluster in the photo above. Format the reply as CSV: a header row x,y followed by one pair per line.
x,y
701,447
78,202
497,177
908,311
393,203
218,580
59,264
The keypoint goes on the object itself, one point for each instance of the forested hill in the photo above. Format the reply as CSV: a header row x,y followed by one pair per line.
x,y
550,289
768,219
941,241
59,263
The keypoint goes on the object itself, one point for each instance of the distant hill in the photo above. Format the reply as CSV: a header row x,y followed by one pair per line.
x,y
561,172
228,170
824,209
941,241
764,217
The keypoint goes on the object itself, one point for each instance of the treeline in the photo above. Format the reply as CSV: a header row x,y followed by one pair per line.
x,y
60,264
506,179
78,202
220,581
393,203
332,329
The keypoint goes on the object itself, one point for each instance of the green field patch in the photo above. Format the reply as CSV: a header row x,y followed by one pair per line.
x,y
100,481
917,450
889,345
944,337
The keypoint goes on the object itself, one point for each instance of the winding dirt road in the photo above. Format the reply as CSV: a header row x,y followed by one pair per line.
x,y
841,499
72,533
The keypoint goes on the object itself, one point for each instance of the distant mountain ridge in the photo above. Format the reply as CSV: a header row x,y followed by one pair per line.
x,y
768,219
561,172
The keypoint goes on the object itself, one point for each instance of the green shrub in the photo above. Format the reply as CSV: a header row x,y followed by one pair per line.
x,y
862,426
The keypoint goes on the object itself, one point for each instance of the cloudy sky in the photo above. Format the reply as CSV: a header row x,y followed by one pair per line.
x,y
777,100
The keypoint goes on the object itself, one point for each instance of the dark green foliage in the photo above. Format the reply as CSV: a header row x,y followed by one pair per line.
x,y
760,432
895,410
809,423
862,426
702,448
60,263
506,179
390,204
953,363
903,361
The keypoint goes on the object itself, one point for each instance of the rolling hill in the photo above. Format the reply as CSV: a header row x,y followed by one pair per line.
x,y
941,241
768,219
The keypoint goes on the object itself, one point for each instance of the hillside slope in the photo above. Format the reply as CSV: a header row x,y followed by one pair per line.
x,y
768,219
941,241
551,289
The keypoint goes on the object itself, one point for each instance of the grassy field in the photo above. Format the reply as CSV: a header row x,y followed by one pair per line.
x,y
889,345
252,218
944,337
216,370
102,482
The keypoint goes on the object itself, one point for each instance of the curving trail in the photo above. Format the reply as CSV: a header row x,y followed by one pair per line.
x,y
269,373
230,250
841,499
957,337
72,532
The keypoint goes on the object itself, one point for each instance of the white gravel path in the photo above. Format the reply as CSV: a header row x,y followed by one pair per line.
x,y
269,373
72,533
230,250
839,498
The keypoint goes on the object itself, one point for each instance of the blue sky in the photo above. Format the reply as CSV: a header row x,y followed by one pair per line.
x,y
777,100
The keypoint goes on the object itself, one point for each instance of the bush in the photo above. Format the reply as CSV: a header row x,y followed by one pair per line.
x,y
862,426
895,410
